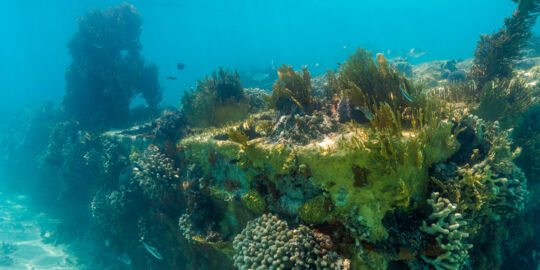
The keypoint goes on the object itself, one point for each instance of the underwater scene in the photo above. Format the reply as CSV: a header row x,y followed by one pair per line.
x,y
326,135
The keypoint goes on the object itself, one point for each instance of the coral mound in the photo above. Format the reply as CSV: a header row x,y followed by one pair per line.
x,y
268,243
155,173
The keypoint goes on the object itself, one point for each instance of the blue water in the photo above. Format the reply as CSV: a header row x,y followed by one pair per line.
x,y
237,34
56,170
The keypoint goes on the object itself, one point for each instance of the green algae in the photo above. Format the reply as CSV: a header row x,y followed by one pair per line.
x,y
254,201
315,211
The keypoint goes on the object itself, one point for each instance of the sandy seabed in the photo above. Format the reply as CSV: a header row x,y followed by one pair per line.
x,y
22,228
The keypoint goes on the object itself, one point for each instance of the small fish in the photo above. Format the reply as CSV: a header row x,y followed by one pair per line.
x,y
259,76
367,113
152,250
180,66
107,242
316,64
415,53
409,98
124,258
171,78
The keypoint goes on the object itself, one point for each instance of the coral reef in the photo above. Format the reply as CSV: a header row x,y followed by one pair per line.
x,y
302,129
505,101
108,208
526,134
447,226
485,181
292,92
315,211
185,226
367,82
450,72
170,126
254,201
331,172
267,242
403,66
405,241
108,71
217,100
495,54
156,174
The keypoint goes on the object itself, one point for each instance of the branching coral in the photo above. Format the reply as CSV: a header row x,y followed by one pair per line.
x,y
495,54
107,71
185,226
217,100
485,182
155,174
446,225
292,90
267,242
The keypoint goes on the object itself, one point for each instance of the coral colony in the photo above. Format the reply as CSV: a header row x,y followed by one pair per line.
x,y
361,168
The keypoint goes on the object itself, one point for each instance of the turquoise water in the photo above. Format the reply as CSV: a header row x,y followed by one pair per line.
x,y
239,34
121,149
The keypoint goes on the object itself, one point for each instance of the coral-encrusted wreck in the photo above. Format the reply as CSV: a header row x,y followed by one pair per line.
x,y
360,169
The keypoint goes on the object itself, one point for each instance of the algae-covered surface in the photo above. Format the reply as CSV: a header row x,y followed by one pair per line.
x,y
382,162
